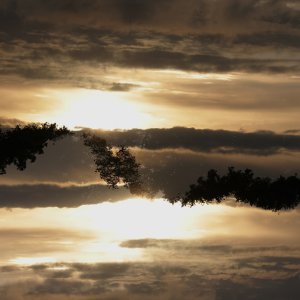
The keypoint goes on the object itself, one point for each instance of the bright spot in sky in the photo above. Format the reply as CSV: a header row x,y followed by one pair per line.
x,y
141,218
95,233
97,109
32,260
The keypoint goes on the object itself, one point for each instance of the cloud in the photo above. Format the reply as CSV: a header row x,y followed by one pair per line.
x,y
204,140
149,243
211,278
9,123
23,242
153,15
122,87
203,63
57,41
218,246
292,131
46,195
146,288
264,289
227,95
63,287
102,271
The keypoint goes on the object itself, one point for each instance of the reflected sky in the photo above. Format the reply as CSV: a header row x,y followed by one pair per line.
x,y
138,248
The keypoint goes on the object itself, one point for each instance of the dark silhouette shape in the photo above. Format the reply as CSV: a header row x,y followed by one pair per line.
x,y
279,194
23,143
115,166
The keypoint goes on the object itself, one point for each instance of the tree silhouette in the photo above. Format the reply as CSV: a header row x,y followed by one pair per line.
x,y
24,143
279,194
115,166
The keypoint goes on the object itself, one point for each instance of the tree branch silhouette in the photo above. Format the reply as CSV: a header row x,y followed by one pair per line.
x,y
282,193
117,166
24,143
114,165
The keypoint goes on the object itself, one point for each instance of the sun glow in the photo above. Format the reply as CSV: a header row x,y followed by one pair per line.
x,y
32,260
139,218
97,109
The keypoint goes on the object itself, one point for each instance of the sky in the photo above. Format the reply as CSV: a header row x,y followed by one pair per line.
x,y
188,86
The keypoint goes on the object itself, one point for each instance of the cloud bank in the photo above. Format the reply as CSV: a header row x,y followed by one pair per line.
x,y
53,40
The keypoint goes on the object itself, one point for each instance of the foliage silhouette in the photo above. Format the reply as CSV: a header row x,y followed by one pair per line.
x,y
23,143
280,194
115,166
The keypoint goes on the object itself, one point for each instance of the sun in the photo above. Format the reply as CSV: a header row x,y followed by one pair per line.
x,y
97,109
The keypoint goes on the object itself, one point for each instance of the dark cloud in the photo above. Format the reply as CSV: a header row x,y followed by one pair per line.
x,y
205,247
167,59
121,87
146,288
268,39
62,286
205,140
54,40
45,195
60,274
261,289
134,11
100,54
270,263
102,271
232,95
153,14
223,278
148,243
9,123
283,14
292,131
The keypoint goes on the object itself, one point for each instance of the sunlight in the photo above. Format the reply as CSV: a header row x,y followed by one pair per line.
x,y
97,109
141,218
32,260
98,251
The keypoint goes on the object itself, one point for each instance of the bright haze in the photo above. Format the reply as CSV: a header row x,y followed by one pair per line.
x,y
188,86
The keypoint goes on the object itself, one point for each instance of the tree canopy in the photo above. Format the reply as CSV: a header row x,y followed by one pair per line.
x,y
23,143
280,194
117,166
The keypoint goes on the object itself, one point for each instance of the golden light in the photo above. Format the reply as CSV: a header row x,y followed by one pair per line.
x,y
32,260
97,109
140,218
109,251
